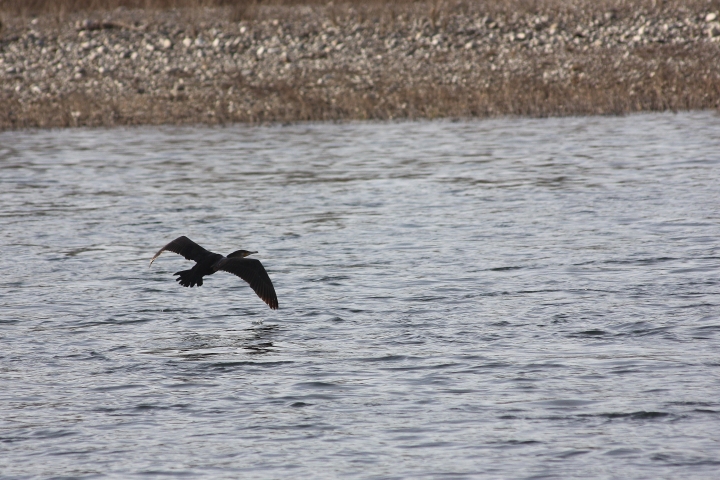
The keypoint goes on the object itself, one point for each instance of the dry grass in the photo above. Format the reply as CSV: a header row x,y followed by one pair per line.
x,y
434,9
607,94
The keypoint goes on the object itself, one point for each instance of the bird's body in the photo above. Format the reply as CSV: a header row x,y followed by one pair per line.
x,y
207,263
204,266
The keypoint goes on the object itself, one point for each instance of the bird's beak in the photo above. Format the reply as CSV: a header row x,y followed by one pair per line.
x,y
250,253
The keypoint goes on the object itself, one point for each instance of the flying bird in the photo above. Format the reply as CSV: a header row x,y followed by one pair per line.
x,y
207,263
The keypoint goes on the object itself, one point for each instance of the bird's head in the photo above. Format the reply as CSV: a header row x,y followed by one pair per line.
x,y
240,254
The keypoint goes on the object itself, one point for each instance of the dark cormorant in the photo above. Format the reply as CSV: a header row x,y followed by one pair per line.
x,y
249,269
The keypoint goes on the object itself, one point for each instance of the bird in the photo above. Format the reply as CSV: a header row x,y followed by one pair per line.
x,y
207,263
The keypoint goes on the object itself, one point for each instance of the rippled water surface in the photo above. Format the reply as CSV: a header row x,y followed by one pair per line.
x,y
495,299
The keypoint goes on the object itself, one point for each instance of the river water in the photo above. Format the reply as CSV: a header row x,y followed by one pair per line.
x,y
511,298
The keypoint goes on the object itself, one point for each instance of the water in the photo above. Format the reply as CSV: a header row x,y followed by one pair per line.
x,y
494,299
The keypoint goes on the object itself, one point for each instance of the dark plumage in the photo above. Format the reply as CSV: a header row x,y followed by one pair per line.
x,y
249,269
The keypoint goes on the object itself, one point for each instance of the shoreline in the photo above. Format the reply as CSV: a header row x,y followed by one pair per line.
x,y
325,63
351,121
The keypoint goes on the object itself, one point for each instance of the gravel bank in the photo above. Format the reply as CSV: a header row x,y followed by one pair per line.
x,y
337,63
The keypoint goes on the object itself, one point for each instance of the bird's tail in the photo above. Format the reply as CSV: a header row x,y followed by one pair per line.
x,y
187,279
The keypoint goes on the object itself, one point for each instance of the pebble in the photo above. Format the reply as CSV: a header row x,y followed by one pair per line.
x,y
312,53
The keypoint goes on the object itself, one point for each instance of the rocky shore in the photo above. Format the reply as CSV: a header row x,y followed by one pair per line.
x,y
322,62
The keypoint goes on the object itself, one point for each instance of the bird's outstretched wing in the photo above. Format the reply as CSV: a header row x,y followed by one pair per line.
x,y
185,247
253,272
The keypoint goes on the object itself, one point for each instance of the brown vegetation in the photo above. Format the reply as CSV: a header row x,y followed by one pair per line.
x,y
119,62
